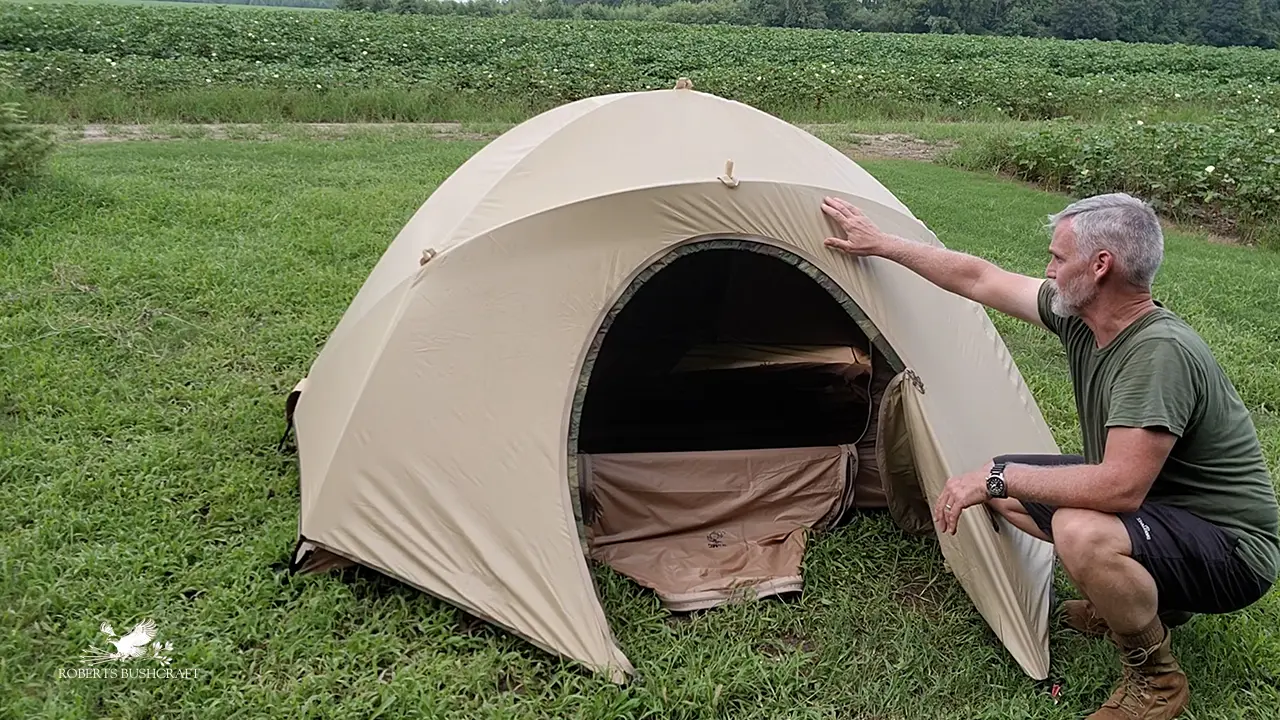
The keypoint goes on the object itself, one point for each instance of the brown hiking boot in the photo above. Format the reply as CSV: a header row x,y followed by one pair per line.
x,y
1079,615
1152,686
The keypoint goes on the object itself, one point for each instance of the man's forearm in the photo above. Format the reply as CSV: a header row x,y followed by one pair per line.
x,y
950,270
1089,487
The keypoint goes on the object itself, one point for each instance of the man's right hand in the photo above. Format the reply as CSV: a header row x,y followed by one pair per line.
x,y
965,275
861,236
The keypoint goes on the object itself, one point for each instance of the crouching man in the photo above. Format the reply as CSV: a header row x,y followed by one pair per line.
x,y
1171,510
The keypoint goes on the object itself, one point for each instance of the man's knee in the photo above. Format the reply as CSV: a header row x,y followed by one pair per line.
x,y
1084,537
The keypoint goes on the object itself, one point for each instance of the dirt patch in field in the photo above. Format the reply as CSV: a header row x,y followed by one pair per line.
x,y
855,145
895,146
102,132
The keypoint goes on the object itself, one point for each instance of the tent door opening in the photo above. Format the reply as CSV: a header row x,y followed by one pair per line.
x,y
733,407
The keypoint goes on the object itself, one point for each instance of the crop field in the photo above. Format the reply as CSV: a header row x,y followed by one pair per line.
x,y
173,4
361,66
159,298
1200,120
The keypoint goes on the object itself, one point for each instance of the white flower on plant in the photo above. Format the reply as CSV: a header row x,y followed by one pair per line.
x,y
1141,123
1209,169
1271,131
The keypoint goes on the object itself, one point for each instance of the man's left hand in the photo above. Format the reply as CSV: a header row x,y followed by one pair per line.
x,y
960,492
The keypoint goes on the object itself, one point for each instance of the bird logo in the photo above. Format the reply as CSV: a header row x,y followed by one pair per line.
x,y
135,645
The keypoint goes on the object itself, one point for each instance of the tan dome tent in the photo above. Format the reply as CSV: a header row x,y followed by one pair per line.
x,y
614,333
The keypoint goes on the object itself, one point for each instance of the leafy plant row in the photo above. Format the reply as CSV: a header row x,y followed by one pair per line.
x,y
1225,172
61,49
291,36
24,148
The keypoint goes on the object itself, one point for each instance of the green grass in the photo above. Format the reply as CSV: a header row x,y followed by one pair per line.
x,y
159,301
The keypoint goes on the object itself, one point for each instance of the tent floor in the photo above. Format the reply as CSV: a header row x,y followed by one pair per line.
x,y
703,528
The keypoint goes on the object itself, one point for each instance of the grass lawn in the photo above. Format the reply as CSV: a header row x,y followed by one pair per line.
x,y
159,301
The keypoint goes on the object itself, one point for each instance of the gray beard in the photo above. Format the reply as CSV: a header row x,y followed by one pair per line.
x,y
1059,307
1063,308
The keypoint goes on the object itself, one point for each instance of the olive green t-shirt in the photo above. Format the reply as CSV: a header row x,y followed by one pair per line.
x,y
1158,372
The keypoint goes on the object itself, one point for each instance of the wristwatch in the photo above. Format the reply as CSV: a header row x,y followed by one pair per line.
x,y
995,481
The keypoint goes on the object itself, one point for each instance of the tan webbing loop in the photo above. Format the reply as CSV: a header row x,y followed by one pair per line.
x,y
727,178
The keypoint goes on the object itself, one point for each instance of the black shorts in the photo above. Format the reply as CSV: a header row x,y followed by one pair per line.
x,y
1194,562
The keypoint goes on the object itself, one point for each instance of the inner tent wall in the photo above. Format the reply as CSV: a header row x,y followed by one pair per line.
x,y
731,407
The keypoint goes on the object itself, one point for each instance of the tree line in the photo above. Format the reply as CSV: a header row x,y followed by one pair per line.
x,y
1197,22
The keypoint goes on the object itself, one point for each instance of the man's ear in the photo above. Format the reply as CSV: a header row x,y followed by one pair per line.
x,y
1104,263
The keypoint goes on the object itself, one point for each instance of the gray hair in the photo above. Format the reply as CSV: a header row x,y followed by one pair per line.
x,y
1121,224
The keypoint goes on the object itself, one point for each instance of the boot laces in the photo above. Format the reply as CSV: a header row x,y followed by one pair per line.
x,y
1137,657
1136,688
1137,692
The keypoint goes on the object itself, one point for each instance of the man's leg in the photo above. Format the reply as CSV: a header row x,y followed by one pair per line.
x,y
1016,513
1096,550
1036,520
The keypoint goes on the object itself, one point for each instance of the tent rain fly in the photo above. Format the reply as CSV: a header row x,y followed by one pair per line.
x,y
641,353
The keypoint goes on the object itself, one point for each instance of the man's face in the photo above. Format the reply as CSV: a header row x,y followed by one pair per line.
x,y
1071,273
